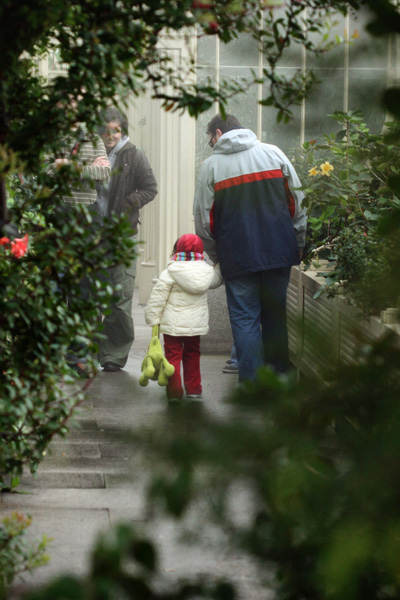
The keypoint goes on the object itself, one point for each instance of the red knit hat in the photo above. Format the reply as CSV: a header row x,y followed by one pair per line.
x,y
189,242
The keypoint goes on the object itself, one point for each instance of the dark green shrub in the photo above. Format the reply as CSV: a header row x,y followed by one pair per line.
x,y
38,393
367,266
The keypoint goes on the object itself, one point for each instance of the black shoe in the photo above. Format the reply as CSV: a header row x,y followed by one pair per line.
x,y
229,368
111,367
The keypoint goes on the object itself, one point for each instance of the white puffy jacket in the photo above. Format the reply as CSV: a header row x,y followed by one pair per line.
x,y
178,301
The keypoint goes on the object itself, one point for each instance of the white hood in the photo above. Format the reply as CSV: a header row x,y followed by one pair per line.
x,y
236,140
178,301
194,276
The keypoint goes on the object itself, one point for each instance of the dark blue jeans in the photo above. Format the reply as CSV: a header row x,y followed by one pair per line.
x,y
257,312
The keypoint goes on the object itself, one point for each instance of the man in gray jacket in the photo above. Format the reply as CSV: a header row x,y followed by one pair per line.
x,y
248,212
132,185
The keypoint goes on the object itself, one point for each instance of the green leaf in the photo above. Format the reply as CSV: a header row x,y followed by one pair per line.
x,y
267,101
15,482
319,292
340,135
144,553
371,216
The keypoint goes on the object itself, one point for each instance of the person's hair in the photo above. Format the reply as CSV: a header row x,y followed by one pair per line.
x,y
174,250
227,124
113,114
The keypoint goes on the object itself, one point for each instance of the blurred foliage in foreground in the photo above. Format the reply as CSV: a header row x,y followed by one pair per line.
x,y
316,466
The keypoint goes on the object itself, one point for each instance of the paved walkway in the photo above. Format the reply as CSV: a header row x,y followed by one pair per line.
x,y
92,479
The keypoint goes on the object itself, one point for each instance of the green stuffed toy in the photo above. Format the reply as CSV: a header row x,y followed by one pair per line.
x,y
155,366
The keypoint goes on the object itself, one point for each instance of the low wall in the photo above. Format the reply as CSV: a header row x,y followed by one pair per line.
x,y
325,331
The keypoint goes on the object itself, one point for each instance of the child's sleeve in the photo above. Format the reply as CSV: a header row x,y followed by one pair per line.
x,y
217,277
158,299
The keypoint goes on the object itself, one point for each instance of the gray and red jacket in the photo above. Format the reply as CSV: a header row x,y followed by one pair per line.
x,y
247,209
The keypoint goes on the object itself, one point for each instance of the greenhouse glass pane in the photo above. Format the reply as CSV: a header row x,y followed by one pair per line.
x,y
291,55
366,87
243,106
203,150
326,98
206,50
366,51
240,52
332,58
286,136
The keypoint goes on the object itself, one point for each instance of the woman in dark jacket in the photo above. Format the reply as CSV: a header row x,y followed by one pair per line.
x,y
132,185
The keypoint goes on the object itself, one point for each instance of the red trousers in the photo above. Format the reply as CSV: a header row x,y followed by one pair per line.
x,y
183,350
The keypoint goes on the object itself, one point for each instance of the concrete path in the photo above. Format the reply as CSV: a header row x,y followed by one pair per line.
x,y
92,480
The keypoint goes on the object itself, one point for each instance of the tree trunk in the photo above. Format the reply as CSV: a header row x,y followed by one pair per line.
x,y
3,203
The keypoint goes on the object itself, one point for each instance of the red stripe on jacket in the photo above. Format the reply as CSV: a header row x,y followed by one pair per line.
x,y
212,218
248,178
290,200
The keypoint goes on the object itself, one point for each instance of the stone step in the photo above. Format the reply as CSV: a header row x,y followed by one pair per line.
x,y
73,480
101,464
64,479
85,449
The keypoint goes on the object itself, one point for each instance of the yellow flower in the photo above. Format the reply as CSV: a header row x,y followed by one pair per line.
x,y
326,168
355,34
313,172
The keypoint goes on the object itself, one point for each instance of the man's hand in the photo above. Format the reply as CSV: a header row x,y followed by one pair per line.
x,y
101,161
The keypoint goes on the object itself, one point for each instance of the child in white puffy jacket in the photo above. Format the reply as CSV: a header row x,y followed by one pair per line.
x,y
178,304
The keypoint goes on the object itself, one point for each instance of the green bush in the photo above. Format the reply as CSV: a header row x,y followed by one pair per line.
x,y
368,268
350,182
43,312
